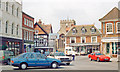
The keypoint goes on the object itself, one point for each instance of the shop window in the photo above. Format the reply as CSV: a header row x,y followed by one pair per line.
x,y
108,47
109,28
83,39
94,39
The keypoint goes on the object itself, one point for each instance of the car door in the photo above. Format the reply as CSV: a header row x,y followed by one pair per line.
x,y
42,60
31,59
92,56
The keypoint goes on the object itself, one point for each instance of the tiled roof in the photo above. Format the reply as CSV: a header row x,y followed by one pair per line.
x,y
113,14
79,31
47,28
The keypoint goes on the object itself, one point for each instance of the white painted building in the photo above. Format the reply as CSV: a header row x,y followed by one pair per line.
x,y
11,25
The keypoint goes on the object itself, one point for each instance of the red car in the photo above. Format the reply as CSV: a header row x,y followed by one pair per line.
x,y
98,57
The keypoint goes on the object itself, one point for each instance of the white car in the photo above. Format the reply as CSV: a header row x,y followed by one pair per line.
x,y
61,56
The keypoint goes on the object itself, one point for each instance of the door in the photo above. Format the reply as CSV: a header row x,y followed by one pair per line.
x,y
107,48
42,60
31,60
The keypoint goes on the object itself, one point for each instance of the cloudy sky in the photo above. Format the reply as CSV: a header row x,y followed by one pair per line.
x,y
82,11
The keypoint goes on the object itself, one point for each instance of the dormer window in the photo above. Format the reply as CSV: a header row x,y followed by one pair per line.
x,y
83,30
74,30
93,30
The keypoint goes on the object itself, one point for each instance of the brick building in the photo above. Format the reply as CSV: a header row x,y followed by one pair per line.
x,y
41,36
110,28
65,25
27,32
85,38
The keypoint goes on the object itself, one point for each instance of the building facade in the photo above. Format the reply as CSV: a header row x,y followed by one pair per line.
x,y
27,33
85,38
41,36
11,26
110,28
65,25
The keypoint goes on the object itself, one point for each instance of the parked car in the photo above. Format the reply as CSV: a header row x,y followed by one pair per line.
x,y
98,56
61,56
33,59
83,53
5,56
47,53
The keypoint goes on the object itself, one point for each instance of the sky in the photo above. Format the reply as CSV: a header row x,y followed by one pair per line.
x,y
82,11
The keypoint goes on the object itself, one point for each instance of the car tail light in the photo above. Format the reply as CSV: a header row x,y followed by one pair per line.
x,y
3,57
12,61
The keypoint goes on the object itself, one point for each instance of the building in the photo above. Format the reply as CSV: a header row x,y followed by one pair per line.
x,y
41,36
85,38
11,26
110,28
65,25
27,32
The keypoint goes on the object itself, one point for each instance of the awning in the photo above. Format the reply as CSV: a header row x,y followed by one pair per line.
x,y
83,44
111,39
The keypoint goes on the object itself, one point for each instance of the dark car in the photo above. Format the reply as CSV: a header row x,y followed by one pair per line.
x,y
5,56
33,59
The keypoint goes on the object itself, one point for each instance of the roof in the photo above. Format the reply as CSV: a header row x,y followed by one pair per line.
x,y
79,31
113,14
28,15
46,28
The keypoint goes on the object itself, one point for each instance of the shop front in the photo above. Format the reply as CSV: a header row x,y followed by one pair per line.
x,y
11,44
110,46
86,47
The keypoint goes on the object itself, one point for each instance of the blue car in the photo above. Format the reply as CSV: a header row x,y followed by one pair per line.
x,y
32,59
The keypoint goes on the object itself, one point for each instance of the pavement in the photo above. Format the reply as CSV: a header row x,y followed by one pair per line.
x,y
80,63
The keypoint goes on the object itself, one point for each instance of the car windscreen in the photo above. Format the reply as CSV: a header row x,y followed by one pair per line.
x,y
59,54
98,54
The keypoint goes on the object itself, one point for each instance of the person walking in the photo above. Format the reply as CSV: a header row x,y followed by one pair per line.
x,y
73,55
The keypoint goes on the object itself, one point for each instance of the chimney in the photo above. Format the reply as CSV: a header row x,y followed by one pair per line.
x,y
40,22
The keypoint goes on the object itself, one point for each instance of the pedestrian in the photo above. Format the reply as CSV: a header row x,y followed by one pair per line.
x,y
73,55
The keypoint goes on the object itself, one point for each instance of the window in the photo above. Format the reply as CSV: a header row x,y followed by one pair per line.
x,y
41,41
32,24
118,27
7,6
83,30
93,39
0,25
27,22
73,40
6,29
83,39
24,21
17,30
32,56
36,31
12,9
12,28
17,11
0,3
74,30
93,30
24,35
109,28
29,35
62,35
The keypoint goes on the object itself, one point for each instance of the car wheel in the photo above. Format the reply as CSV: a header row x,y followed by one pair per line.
x,y
98,59
23,66
90,59
54,65
68,63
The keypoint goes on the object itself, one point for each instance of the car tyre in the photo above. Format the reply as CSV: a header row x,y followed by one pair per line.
x,y
68,63
23,66
98,60
90,59
54,65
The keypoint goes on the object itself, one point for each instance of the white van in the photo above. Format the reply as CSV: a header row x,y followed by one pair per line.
x,y
69,51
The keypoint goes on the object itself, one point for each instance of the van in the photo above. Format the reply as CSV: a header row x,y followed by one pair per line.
x,y
5,56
